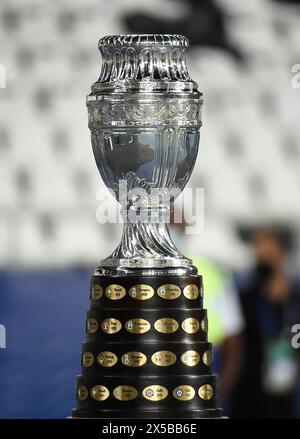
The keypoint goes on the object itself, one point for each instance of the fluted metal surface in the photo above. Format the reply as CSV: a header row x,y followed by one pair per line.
x,y
144,117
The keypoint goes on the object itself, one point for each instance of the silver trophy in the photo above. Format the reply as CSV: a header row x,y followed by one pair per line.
x,y
146,352
144,117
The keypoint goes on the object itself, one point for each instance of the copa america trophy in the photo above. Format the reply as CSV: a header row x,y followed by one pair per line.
x,y
146,353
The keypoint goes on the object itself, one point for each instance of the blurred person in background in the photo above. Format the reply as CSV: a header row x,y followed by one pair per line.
x,y
225,319
270,300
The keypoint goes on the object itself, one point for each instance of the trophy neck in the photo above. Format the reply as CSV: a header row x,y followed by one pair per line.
x,y
144,247
146,243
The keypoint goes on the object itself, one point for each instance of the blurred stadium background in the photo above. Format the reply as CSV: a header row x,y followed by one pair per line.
x,y
242,54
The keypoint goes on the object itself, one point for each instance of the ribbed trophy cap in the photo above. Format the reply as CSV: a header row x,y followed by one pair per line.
x,y
144,40
142,62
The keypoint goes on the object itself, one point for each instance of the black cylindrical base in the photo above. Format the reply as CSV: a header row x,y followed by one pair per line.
x,y
146,353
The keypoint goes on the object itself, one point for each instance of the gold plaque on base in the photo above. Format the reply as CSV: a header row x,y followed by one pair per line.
x,y
87,359
169,291
184,393
97,292
190,358
137,326
190,325
163,358
125,393
207,358
205,392
99,393
141,292
155,393
111,326
115,292
91,325
107,359
166,325
82,393
204,325
134,359
191,292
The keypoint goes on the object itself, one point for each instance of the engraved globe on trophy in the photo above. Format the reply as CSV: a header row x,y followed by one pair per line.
x,y
146,352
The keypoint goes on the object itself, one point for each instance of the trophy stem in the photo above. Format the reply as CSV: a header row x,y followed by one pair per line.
x,y
146,242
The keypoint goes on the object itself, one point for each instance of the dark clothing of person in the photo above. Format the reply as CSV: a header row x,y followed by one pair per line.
x,y
266,323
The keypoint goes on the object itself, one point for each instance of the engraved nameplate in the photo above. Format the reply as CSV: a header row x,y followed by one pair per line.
x,y
205,392
184,393
99,393
163,358
190,358
141,292
207,358
137,326
125,393
155,393
92,325
115,292
107,359
87,359
191,292
111,326
169,291
97,292
82,393
166,325
134,359
190,325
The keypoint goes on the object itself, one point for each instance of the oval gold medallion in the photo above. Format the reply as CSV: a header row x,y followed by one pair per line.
x,y
190,358
137,326
155,393
87,359
100,393
91,325
205,392
169,291
134,359
191,292
207,358
204,325
141,292
163,358
97,292
166,325
107,359
190,325
184,393
111,326
125,393
82,393
115,292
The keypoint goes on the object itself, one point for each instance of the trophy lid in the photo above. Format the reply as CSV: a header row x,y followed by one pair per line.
x,y
147,62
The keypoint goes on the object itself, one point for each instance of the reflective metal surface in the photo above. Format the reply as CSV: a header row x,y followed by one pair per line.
x,y
144,117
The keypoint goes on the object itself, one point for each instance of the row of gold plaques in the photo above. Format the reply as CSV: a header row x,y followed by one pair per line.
x,y
166,325
136,359
145,292
151,393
